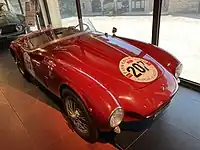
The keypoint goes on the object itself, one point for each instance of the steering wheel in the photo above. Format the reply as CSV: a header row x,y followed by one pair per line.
x,y
87,27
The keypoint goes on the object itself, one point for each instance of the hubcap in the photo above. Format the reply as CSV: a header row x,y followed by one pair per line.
x,y
76,115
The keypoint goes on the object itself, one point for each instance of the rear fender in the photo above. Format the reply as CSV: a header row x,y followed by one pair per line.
x,y
15,50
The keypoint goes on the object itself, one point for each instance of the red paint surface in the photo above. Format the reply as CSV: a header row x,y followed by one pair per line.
x,y
89,64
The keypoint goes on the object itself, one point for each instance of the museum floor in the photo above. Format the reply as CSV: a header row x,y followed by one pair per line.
x,y
30,119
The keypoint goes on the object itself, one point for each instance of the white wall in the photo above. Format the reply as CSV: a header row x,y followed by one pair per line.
x,y
183,5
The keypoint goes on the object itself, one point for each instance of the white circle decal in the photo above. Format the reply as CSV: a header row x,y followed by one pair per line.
x,y
138,69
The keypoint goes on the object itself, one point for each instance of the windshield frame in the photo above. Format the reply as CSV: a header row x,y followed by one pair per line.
x,y
58,39
87,22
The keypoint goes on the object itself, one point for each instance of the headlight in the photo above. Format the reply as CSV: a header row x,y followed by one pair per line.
x,y
116,117
19,27
178,70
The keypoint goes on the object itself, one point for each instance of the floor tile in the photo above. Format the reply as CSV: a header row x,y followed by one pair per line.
x,y
45,97
3,100
16,80
46,126
22,103
67,142
185,115
189,94
164,136
125,138
12,133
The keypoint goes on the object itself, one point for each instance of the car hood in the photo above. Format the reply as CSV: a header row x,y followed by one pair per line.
x,y
8,18
99,56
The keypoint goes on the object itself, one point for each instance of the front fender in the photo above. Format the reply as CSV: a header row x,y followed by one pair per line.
x,y
163,57
100,102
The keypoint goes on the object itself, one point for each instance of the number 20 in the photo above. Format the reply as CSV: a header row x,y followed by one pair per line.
x,y
139,66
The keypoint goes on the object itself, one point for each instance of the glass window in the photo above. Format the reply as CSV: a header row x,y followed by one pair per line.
x,y
14,6
133,4
138,4
142,4
83,5
68,12
179,34
132,18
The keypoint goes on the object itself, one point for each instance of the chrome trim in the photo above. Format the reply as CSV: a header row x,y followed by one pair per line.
x,y
119,107
178,80
117,130
180,67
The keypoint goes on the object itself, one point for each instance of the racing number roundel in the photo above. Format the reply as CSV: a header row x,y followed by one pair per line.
x,y
138,69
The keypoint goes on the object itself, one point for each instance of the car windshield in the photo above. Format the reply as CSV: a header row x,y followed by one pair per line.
x,y
41,39
87,24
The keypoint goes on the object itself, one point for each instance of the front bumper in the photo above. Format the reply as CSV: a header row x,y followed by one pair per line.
x,y
141,124
137,117
157,113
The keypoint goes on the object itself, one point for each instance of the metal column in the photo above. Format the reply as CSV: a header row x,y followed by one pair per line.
x,y
80,20
20,5
47,12
7,4
156,21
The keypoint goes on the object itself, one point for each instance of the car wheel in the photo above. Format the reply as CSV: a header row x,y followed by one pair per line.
x,y
22,69
78,116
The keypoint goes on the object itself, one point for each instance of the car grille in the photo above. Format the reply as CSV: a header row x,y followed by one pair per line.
x,y
8,29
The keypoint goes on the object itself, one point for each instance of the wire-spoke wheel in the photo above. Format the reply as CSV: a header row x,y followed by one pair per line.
x,y
78,116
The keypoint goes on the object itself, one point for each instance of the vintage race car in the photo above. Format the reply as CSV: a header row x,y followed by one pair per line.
x,y
102,79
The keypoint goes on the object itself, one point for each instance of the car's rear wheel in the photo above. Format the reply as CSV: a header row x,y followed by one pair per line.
x,y
78,116
22,69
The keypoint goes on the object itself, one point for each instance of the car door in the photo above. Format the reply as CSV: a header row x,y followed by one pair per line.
x,y
37,59
43,66
50,77
33,59
32,63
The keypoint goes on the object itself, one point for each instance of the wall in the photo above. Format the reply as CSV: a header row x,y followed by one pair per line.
x,y
183,5
88,6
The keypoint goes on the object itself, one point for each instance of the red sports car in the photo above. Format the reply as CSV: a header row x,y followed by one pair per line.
x,y
102,79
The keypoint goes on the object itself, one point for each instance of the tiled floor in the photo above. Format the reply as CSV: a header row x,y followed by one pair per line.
x,y
28,124
30,119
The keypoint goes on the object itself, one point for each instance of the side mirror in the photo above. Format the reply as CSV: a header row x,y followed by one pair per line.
x,y
114,30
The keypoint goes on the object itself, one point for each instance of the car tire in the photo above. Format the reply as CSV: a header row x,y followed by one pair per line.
x,y
22,69
77,111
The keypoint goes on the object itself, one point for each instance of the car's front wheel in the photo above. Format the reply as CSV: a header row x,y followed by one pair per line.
x,y
78,116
